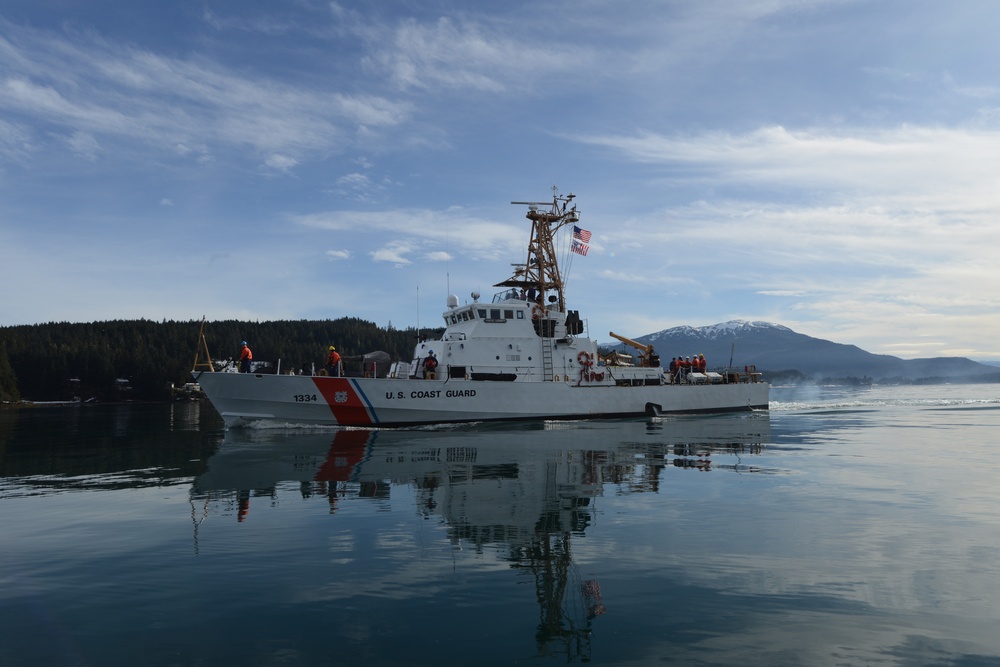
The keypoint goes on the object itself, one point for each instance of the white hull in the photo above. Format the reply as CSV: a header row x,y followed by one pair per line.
x,y
297,399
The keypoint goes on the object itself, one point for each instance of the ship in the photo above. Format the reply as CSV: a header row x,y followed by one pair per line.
x,y
521,355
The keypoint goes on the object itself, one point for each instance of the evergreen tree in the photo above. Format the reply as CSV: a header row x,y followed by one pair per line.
x,y
8,381
60,361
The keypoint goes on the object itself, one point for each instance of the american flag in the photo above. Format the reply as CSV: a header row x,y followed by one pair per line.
x,y
581,234
580,248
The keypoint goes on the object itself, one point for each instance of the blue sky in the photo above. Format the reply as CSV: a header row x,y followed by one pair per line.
x,y
829,165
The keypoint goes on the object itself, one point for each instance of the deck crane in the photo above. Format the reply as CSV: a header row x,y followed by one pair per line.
x,y
647,357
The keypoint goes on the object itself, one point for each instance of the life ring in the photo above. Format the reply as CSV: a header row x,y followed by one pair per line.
x,y
537,312
585,359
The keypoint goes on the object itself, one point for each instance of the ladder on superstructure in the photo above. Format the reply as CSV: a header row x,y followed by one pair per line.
x,y
547,358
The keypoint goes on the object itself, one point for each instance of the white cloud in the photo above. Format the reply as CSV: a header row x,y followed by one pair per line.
x,y
90,86
792,293
338,254
14,143
280,162
395,252
359,187
84,145
477,236
646,278
929,166
465,55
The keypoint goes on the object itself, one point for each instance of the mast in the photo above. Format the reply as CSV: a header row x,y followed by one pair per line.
x,y
541,269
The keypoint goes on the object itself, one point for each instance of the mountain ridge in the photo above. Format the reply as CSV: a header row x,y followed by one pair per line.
x,y
778,350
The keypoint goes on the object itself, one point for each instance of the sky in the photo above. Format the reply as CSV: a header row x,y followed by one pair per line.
x,y
832,166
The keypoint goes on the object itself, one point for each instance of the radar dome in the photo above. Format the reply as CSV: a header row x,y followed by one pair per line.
x,y
453,301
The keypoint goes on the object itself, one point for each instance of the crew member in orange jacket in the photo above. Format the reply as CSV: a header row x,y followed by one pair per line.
x,y
333,362
246,356
430,366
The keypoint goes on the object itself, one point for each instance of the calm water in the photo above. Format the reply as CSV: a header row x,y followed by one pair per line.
x,y
846,527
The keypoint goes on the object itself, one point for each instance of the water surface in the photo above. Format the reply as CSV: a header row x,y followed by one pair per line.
x,y
844,527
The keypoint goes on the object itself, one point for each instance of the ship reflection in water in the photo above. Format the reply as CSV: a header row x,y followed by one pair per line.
x,y
524,492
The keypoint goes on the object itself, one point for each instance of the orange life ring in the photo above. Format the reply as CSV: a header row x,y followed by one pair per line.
x,y
537,312
585,359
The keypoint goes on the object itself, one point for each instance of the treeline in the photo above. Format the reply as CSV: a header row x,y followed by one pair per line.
x,y
63,361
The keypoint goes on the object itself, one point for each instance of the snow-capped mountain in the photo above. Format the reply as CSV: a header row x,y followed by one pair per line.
x,y
773,347
714,331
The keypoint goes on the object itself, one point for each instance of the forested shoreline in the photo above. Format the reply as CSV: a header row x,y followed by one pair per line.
x,y
67,361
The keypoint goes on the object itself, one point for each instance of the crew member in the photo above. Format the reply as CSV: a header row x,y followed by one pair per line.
x,y
430,366
246,356
333,362
702,363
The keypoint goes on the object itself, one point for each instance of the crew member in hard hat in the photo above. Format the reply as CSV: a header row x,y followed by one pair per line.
x,y
246,356
430,366
333,362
